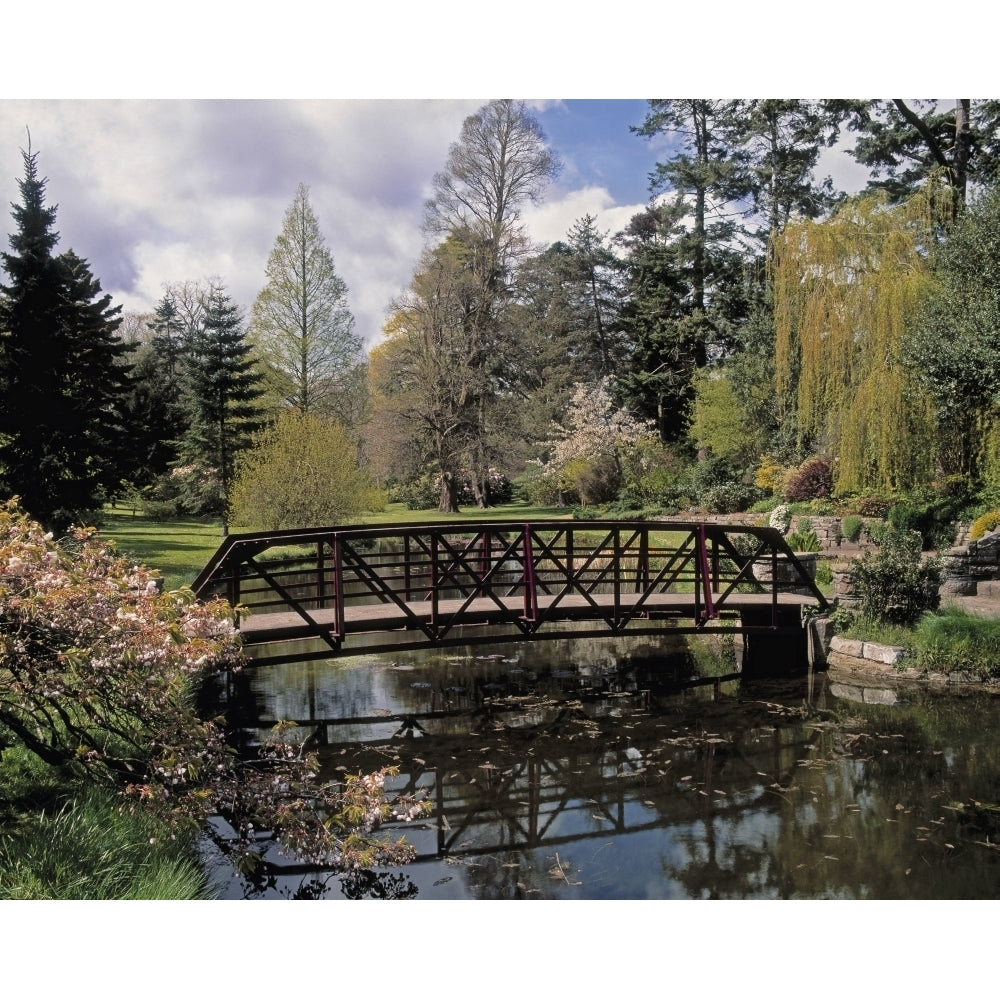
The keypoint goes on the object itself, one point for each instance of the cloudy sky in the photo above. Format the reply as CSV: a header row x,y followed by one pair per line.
x,y
172,190
188,174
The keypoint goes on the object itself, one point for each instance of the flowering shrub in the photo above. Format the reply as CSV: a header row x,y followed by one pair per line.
x,y
600,446
97,674
781,518
989,521
499,489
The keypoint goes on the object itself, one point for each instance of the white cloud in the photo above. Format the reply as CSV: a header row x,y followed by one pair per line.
x,y
551,220
152,192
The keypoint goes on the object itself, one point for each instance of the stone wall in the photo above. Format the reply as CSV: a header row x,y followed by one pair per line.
x,y
968,568
971,569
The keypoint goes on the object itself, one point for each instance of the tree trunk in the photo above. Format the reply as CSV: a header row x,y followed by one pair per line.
x,y
448,502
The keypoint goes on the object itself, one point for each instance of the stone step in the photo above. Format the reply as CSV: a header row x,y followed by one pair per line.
x,y
988,588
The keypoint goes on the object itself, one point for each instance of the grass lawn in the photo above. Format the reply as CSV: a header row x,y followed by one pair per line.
x,y
178,549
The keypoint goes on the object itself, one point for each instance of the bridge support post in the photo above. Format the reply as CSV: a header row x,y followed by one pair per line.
x,y
777,646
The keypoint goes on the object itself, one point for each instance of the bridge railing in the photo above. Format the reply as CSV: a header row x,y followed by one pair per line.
x,y
432,573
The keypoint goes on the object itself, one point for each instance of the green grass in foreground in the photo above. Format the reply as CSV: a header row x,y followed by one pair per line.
x,y
75,842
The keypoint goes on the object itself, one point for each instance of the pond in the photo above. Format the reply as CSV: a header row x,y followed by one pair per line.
x,y
623,769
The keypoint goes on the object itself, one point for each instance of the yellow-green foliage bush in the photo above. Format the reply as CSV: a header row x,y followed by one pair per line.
x,y
302,472
984,523
770,475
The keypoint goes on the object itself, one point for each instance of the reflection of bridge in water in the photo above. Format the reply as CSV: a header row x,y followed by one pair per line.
x,y
352,590
505,792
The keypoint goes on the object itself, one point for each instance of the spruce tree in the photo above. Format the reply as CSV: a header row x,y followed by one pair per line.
x,y
223,389
62,372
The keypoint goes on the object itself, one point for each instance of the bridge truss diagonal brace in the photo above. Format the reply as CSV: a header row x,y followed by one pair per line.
x,y
330,634
347,555
573,576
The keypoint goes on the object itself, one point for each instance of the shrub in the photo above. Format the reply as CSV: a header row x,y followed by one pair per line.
x,y
728,498
99,674
895,584
930,514
851,527
804,540
986,522
781,518
302,471
596,480
813,480
871,506
770,475
421,494
499,489
877,531
538,487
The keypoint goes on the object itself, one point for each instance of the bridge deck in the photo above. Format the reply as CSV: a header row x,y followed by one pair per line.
x,y
389,617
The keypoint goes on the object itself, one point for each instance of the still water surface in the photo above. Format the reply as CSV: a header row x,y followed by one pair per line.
x,y
590,769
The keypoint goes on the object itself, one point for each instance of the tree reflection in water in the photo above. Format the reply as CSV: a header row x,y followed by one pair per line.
x,y
741,790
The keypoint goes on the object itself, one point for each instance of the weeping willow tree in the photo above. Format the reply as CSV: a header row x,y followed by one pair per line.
x,y
846,291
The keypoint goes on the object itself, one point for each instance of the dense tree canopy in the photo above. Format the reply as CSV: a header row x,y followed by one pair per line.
x,y
905,143
749,310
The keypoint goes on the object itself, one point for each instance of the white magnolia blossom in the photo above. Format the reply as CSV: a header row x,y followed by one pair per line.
x,y
596,428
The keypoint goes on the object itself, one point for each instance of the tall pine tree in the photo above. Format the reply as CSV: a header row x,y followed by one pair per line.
x,y
62,376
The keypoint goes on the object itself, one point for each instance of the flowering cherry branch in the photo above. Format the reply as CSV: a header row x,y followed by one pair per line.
x,y
98,673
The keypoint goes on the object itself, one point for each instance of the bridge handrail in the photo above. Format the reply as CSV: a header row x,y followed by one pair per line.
x,y
712,541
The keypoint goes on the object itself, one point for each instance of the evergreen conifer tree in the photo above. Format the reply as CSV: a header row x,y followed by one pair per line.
x,y
223,393
62,372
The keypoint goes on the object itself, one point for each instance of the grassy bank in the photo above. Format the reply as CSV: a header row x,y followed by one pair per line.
x,y
65,841
945,641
